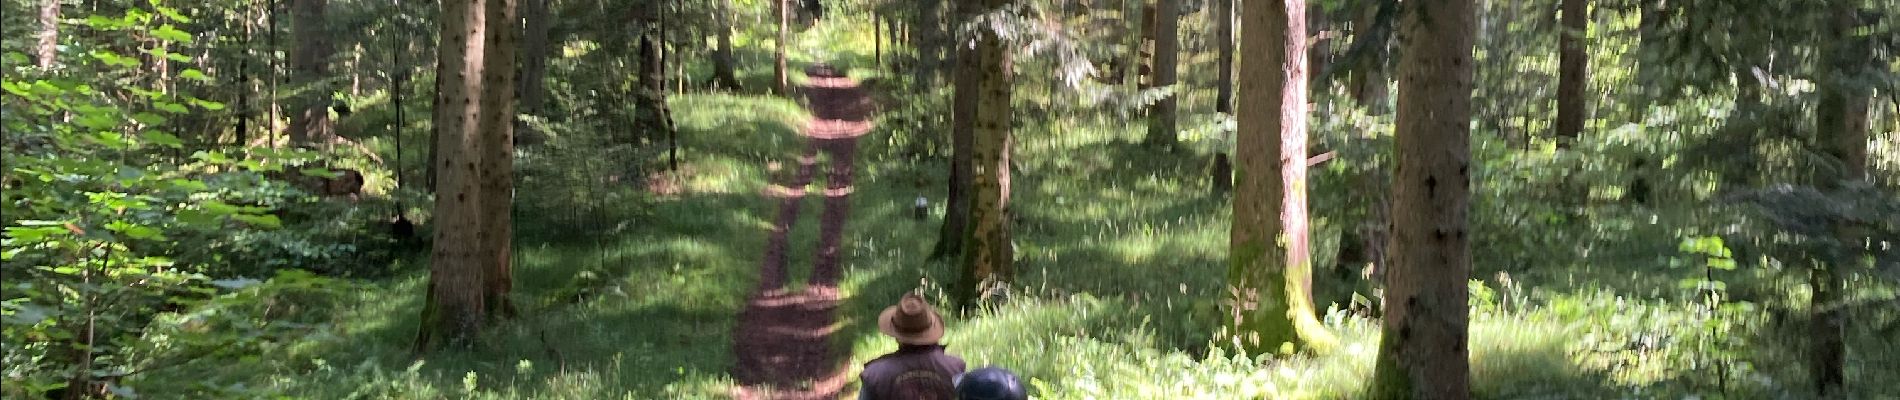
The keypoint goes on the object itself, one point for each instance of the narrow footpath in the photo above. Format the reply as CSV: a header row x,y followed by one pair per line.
x,y
783,342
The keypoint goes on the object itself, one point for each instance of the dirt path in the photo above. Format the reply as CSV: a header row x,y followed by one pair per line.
x,y
783,342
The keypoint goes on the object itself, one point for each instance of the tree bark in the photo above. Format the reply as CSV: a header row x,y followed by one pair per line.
x,y
1841,120
310,64
784,35
48,49
723,73
1161,115
1573,65
987,258
1423,351
532,87
929,43
1369,83
1320,54
457,308
497,155
1224,43
967,76
1270,269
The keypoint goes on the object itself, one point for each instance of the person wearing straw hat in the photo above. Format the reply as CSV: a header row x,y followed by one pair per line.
x,y
919,369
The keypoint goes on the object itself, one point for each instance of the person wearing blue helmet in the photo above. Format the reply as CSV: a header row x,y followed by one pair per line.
x,y
990,383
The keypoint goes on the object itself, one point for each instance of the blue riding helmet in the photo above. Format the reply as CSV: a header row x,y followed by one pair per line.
x,y
990,383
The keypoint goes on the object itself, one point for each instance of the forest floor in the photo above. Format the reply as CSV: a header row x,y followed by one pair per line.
x,y
783,345
729,285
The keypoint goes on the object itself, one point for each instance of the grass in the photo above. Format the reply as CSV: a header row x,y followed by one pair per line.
x,y
1121,254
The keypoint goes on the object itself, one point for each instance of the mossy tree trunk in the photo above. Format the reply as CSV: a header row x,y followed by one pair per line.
x,y
1161,115
988,257
456,308
1423,350
1270,271
965,77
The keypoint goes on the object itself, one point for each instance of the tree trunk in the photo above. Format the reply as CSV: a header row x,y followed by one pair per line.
x,y
1270,267
271,127
310,64
778,53
722,54
1741,172
49,34
928,43
1423,351
1224,43
1573,65
1369,83
1161,115
534,65
497,156
967,76
987,258
457,307
1320,55
1841,119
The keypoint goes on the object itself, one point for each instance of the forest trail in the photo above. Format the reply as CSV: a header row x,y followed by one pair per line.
x,y
782,344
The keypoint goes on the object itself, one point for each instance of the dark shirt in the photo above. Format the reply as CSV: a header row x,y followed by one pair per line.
x,y
880,375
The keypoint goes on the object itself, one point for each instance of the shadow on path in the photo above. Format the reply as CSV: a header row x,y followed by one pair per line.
x,y
783,342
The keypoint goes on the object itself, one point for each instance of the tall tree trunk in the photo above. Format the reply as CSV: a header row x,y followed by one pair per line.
x,y
1161,115
310,62
723,73
1423,351
963,110
1145,47
1841,120
778,53
532,89
497,155
877,39
928,43
1742,171
457,307
1369,81
48,49
1224,43
987,258
1270,267
1573,65
1320,54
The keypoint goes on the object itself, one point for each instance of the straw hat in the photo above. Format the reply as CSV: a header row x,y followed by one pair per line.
x,y
911,321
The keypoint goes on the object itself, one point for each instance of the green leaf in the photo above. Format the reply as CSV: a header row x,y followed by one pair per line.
x,y
207,104
149,119
324,173
35,234
173,14
114,59
162,139
170,107
172,34
1725,264
195,74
